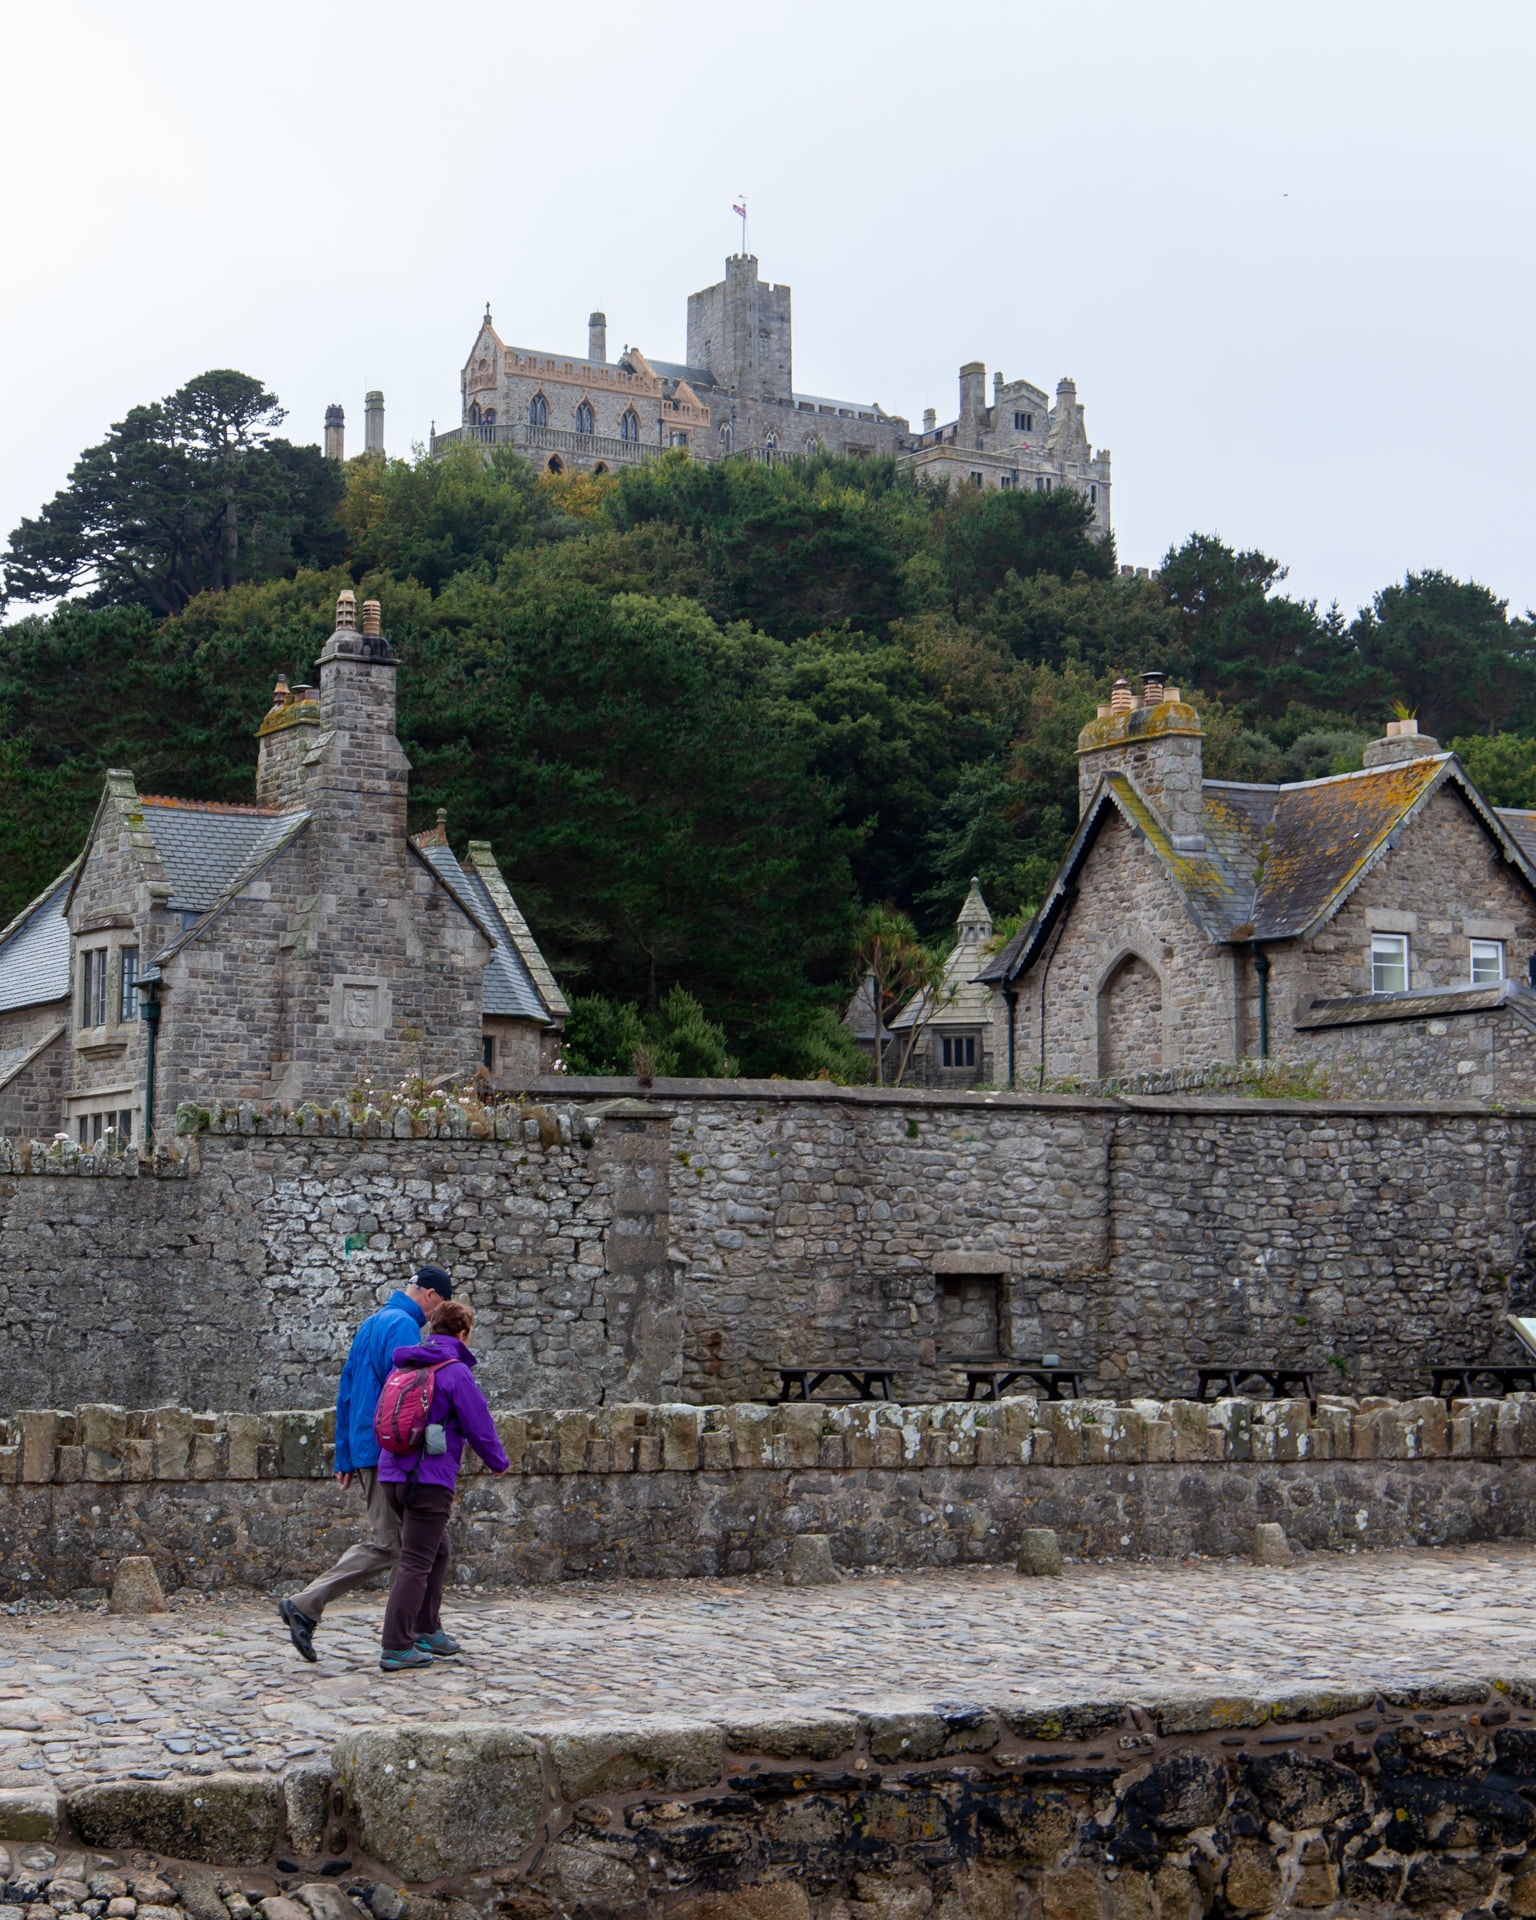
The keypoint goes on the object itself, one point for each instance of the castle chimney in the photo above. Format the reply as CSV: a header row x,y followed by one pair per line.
x,y
1403,741
973,392
930,419
1157,743
335,432
373,422
597,337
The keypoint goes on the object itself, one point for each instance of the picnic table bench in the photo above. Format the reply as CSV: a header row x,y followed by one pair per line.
x,y
1280,1380
990,1380
1454,1380
806,1383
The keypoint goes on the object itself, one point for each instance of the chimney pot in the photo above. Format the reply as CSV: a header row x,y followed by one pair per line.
x,y
1120,700
1152,687
371,617
346,611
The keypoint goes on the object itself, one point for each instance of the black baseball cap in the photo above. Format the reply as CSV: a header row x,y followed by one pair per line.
x,y
437,1278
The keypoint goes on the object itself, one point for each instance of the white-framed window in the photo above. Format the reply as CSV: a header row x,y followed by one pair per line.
x,y
93,987
1389,963
957,1050
1487,962
128,985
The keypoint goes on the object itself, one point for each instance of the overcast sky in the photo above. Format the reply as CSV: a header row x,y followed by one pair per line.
x,y
1285,251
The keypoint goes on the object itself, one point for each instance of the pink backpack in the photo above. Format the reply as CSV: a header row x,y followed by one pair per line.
x,y
400,1418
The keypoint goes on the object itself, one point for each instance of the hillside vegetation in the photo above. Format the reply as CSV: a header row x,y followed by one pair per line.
x,y
706,715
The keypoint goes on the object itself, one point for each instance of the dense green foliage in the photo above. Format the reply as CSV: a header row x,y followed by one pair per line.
x,y
707,715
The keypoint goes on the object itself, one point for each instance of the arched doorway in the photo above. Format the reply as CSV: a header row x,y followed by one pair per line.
x,y
556,464
1130,1019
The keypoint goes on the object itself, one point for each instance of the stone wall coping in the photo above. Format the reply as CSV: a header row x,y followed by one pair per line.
x,y
555,1798
103,1443
579,1087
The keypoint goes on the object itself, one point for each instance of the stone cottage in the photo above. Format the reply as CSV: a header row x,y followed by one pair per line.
x,y
1380,923
281,951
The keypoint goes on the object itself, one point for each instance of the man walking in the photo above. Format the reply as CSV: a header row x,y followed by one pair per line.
x,y
397,1323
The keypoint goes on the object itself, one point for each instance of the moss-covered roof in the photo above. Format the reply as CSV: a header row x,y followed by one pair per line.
x,y
1278,860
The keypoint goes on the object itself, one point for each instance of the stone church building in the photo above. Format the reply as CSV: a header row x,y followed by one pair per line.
x,y
282,951
1380,924
734,392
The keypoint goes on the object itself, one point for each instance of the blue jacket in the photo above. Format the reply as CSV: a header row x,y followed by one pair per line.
x,y
397,1323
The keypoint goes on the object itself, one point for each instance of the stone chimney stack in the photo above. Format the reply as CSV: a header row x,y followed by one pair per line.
x,y
597,337
930,419
284,740
1154,739
973,393
335,433
362,774
373,422
1403,741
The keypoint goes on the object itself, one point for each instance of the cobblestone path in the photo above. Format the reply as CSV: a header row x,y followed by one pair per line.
x,y
215,1685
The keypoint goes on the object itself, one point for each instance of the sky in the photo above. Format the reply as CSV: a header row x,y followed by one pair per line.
x,y
1284,250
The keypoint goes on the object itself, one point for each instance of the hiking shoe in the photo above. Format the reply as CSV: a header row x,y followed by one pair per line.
x,y
403,1660
301,1628
442,1644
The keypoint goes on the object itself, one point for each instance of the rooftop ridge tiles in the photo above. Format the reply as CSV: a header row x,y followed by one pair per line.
x,y
214,806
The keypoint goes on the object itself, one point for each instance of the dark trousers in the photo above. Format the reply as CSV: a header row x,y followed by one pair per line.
x,y
416,1593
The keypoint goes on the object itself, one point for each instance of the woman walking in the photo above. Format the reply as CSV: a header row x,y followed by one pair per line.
x,y
419,1488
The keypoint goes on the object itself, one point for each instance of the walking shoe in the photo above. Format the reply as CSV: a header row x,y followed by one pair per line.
x,y
442,1644
300,1628
403,1660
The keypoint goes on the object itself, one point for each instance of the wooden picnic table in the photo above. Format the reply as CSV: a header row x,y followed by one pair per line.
x,y
1454,1380
868,1383
990,1380
1279,1380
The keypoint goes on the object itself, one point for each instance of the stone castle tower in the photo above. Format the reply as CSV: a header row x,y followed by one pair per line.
x,y
739,333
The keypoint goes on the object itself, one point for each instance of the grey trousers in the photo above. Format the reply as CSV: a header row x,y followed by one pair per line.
x,y
377,1554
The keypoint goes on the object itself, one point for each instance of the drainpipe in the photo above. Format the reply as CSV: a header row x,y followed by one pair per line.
x,y
149,1013
1011,995
1261,968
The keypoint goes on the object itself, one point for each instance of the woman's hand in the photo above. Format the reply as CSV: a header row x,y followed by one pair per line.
x,y
345,1479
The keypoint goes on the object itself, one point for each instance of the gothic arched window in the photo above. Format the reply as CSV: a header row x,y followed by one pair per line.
x,y
488,418
538,411
629,426
727,436
584,420
474,413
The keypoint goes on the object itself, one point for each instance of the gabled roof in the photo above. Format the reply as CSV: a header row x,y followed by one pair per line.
x,y
206,847
963,1000
34,949
509,986
283,828
1278,860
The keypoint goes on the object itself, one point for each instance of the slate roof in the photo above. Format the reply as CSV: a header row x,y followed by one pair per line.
x,y
963,1000
34,950
1278,860
508,985
698,378
1419,1003
205,849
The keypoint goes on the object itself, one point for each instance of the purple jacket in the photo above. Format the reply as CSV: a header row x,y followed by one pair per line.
x,y
458,1406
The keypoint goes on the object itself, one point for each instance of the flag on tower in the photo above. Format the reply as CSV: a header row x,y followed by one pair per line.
x,y
741,210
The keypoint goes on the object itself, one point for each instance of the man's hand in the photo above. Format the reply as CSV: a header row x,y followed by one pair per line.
x,y
345,1479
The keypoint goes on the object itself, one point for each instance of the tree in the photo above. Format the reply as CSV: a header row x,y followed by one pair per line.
x,y
1449,650
986,535
901,972
188,495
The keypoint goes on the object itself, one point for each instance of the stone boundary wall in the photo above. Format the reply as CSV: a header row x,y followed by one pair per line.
x,y
684,1246
677,1491
1336,1799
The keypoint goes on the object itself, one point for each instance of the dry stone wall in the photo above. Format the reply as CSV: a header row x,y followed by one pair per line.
x,y
678,1491
684,1247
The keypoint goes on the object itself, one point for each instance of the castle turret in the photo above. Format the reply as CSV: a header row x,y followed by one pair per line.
x,y
597,337
739,329
1156,740
373,422
335,432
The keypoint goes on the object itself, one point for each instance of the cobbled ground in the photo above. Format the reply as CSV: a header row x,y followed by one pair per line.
x,y
214,1685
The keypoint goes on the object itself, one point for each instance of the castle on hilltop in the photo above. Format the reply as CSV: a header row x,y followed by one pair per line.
x,y
735,394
